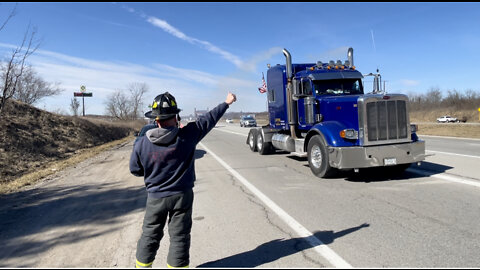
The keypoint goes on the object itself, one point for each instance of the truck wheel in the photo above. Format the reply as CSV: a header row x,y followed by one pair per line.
x,y
318,157
263,147
252,139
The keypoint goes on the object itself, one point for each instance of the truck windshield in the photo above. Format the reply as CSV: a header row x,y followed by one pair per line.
x,y
338,87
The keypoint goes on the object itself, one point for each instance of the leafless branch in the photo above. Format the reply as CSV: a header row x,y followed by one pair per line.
x,y
136,91
15,66
12,13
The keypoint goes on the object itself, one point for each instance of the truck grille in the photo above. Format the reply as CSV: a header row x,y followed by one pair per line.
x,y
386,120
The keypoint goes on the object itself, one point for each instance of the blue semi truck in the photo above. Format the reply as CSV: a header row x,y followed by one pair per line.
x,y
319,110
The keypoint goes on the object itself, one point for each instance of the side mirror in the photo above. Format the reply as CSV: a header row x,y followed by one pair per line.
x,y
302,88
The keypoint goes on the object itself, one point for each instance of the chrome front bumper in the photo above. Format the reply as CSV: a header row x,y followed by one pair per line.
x,y
374,156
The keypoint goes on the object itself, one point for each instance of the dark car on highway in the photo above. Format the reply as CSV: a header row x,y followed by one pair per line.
x,y
144,130
248,121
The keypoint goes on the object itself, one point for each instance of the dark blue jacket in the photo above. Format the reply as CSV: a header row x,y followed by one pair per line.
x,y
165,157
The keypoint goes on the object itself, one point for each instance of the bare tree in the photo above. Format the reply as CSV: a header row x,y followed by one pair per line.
x,y
126,106
74,105
417,101
119,105
136,93
453,99
31,87
472,99
433,97
14,67
12,13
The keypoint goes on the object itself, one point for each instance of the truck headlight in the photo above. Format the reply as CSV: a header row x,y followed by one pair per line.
x,y
350,134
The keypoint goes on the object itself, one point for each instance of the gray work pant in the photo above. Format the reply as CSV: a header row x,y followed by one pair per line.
x,y
178,209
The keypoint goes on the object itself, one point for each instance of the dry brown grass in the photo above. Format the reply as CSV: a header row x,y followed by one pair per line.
x,y
450,130
132,124
427,125
33,139
55,166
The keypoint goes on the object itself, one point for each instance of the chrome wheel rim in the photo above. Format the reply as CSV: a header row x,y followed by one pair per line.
x,y
250,141
259,142
316,156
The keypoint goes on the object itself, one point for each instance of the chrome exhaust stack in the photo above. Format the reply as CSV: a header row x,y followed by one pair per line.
x,y
350,56
292,119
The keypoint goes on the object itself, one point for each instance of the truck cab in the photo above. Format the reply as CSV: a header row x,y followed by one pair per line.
x,y
320,110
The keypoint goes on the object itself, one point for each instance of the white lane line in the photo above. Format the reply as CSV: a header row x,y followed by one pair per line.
x,y
317,245
228,131
446,137
453,154
456,179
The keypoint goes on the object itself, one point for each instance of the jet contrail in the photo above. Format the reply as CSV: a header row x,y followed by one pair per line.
x,y
373,40
165,26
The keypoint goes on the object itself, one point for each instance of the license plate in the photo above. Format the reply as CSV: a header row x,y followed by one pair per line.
x,y
389,161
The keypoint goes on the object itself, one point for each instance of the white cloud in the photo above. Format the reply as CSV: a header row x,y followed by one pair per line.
x,y
207,45
252,63
186,74
165,26
169,29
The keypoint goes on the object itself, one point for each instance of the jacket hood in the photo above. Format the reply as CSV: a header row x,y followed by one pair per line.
x,y
162,136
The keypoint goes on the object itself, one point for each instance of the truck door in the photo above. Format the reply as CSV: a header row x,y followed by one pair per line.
x,y
306,103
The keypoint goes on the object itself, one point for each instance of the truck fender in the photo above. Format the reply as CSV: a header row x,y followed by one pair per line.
x,y
312,132
266,132
328,131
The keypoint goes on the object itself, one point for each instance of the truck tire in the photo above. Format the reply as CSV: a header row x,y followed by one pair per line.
x,y
252,139
263,147
318,157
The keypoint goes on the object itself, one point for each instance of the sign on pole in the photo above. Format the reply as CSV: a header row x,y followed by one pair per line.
x,y
83,94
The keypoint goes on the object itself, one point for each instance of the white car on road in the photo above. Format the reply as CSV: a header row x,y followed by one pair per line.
x,y
446,119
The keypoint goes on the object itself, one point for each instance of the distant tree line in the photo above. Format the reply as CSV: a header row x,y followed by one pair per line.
x,y
434,99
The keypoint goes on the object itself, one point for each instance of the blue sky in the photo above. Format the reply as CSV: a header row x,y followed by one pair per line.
x,y
200,51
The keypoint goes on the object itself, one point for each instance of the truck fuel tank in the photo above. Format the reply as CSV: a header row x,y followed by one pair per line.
x,y
287,143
